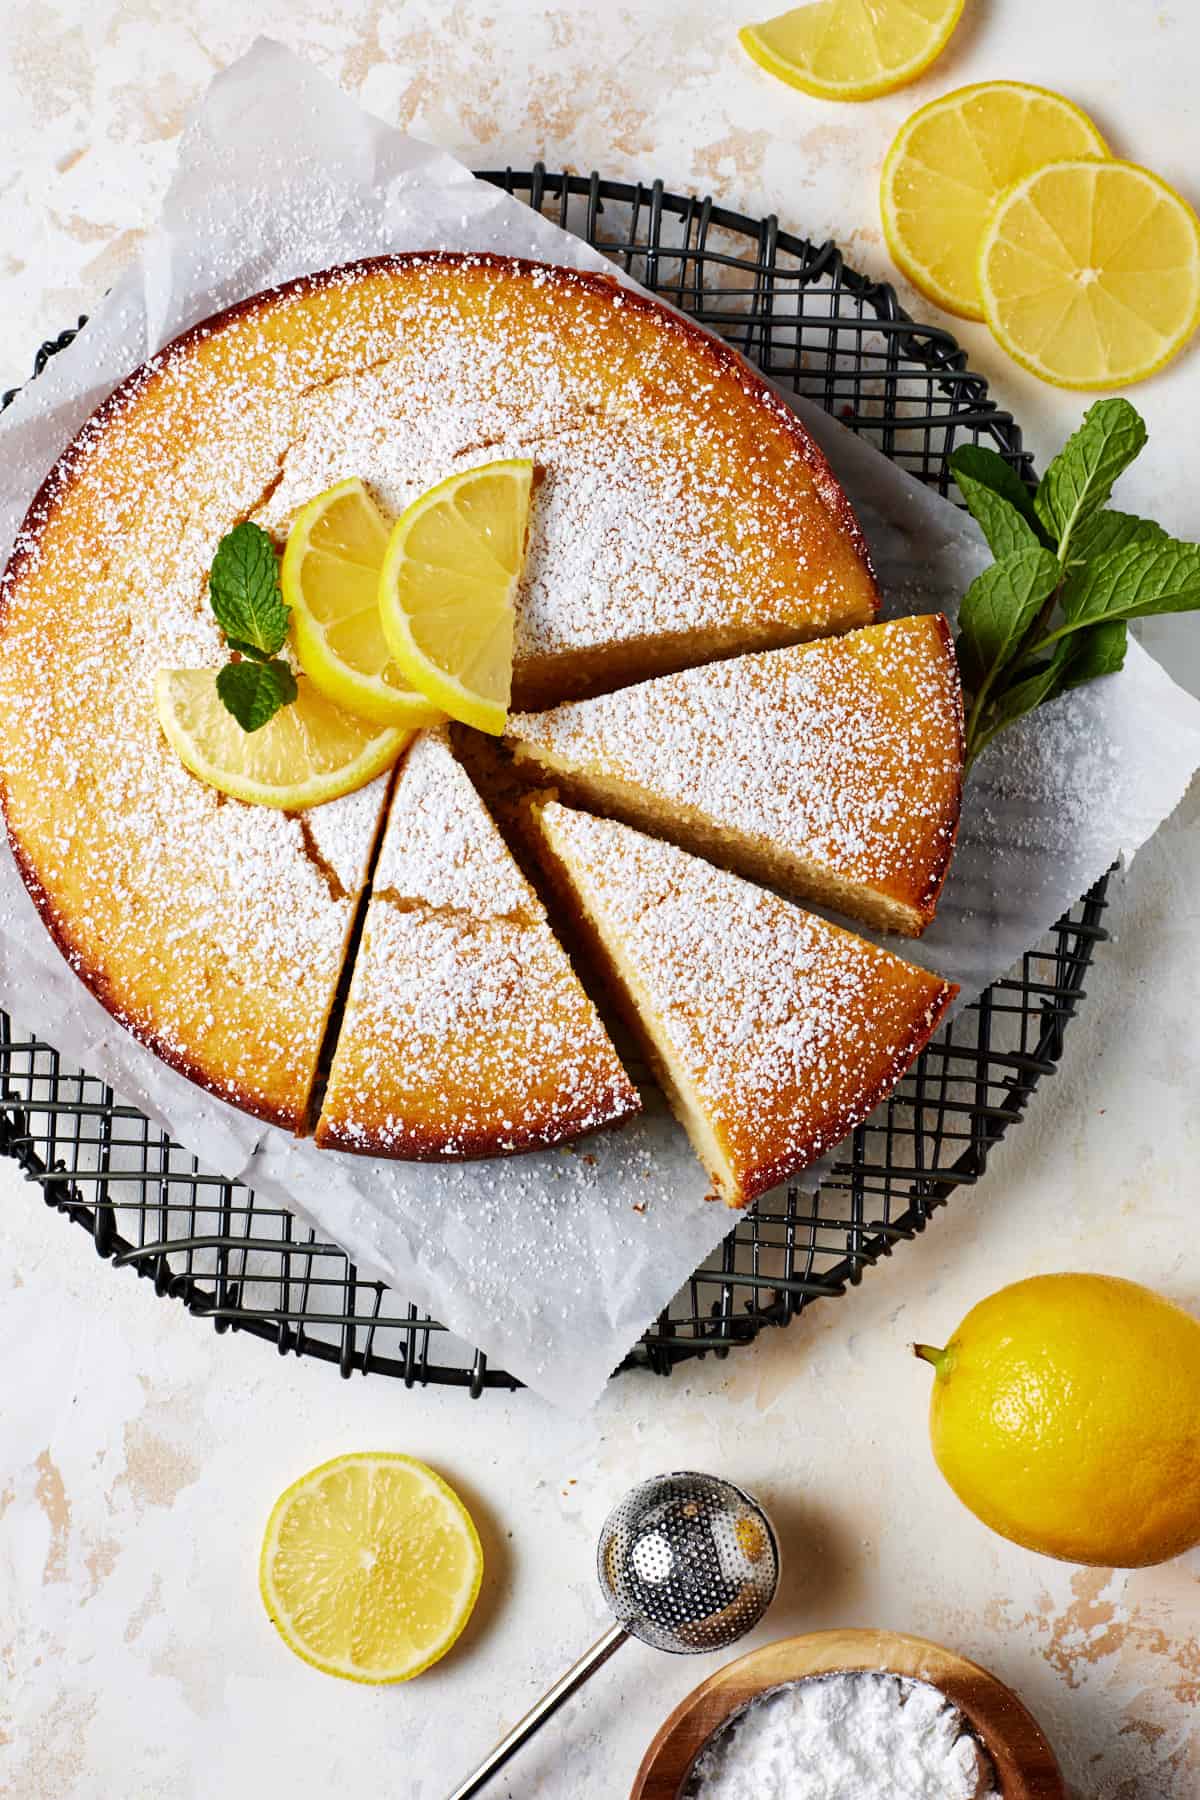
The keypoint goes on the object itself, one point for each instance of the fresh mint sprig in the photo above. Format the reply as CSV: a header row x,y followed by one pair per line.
x,y
254,691
1052,610
243,590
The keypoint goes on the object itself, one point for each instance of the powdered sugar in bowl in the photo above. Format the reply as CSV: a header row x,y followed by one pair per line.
x,y
863,1735
850,1715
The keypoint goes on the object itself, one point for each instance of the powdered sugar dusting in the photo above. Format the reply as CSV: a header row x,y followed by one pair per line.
x,y
213,929
441,849
845,754
786,1027
674,496
466,1031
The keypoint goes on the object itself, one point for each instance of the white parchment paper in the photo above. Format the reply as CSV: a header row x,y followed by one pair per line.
x,y
553,1263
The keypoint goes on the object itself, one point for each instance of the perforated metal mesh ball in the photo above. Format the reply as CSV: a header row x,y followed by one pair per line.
x,y
688,1562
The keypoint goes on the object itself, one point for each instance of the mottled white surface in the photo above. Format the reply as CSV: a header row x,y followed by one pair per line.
x,y
139,1453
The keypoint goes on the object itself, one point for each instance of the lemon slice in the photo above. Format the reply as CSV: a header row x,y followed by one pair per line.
x,y
852,49
308,753
1090,273
370,1567
330,578
949,164
447,585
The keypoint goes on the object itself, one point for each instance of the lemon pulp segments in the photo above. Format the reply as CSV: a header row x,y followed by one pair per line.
x,y
370,1567
1089,273
330,578
308,753
852,49
447,585
949,164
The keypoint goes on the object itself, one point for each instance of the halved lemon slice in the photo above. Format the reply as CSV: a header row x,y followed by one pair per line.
x,y
308,753
949,164
852,49
1089,273
370,1567
447,585
330,578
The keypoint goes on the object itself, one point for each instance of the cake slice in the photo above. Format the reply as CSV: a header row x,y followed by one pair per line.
x,y
830,769
771,1031
466,1032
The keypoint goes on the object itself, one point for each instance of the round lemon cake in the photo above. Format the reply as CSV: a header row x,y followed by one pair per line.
x,y
680,513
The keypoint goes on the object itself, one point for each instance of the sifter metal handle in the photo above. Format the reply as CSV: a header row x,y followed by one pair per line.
x,y
537,1715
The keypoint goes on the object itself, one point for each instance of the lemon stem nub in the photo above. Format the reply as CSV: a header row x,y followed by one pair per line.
x,y
928,1354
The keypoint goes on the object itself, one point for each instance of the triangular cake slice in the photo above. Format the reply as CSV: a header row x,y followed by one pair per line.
x,y
832,770
466,1032
771,1031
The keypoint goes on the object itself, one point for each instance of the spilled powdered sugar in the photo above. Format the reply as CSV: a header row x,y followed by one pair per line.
x,y
859,1736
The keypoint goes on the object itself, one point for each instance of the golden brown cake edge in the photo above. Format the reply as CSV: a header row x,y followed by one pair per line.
x,y
291,1118
772,1174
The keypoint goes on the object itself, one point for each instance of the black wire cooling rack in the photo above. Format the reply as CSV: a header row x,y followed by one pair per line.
x,y
818,327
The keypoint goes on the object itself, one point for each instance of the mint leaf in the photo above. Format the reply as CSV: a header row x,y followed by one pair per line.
x,y
984,477
1108,531
1085,655
1157,576
1080,479
1005,529
254,691
1023,696
1037,624
243,587
997,611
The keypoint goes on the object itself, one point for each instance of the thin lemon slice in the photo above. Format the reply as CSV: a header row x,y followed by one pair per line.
x,y
330,578
949,164
447,585
308,753
1089,273
852,49
370,1567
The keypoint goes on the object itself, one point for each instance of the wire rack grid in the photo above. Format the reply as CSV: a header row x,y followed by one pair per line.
x,y
816,327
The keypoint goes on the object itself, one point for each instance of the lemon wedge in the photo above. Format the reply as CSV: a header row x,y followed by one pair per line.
x,y
329,577
852,49
308,753
1089,273
948,165
447,585
370,1567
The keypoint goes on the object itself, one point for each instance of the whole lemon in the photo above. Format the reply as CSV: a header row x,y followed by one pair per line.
x,y
1066,1415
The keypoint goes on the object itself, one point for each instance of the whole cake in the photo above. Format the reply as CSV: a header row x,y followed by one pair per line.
x,y
378,969
681,511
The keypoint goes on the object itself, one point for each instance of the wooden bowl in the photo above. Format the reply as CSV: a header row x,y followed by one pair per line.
x,y
1023,1760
